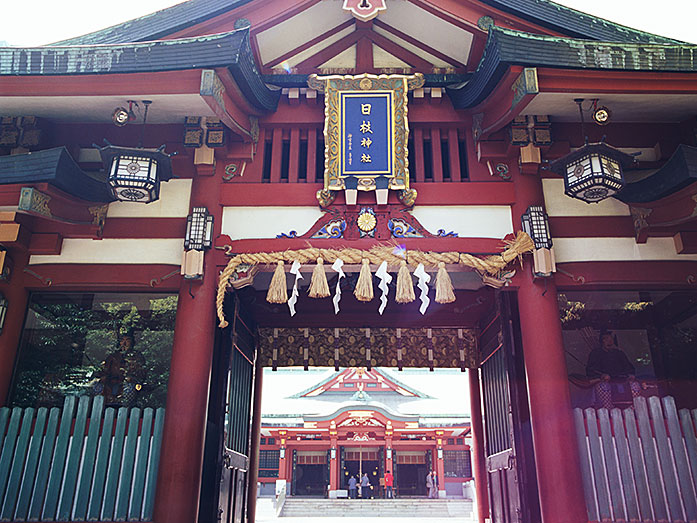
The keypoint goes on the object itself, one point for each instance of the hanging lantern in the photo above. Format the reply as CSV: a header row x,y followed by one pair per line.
x,y
135,173
199,230
536,225
593,172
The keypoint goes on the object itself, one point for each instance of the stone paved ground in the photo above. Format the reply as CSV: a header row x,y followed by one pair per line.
x,y
265,514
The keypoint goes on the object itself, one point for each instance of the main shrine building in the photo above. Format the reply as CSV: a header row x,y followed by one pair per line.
x,y
503,189
320,427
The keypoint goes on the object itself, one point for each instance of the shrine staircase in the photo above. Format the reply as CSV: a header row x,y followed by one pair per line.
x,y
375,508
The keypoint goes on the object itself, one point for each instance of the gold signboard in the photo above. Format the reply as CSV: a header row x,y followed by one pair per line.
x,y
366,135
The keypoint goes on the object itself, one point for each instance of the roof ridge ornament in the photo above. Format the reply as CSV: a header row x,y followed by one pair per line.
x,y
364,10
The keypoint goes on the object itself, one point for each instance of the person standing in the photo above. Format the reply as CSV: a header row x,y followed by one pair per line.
x,y
429,484
365,486
608,365
389,482
352,487
435,485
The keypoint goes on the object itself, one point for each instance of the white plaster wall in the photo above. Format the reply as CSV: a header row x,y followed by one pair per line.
x,y
559,204
173,203
242,223
116,251
468,221
616,249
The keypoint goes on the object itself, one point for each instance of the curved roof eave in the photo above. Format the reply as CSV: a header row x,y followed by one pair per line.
x,y
158,24
370,405
231,50
574,23
506,47
55,167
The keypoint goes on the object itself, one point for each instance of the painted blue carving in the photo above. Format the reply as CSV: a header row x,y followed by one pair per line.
x,y
442,234
333,229
291,234
401,229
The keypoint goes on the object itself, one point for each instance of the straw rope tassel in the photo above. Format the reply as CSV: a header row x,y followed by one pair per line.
x,y
364,286
490,264
319,288
444,286
405,285
278,292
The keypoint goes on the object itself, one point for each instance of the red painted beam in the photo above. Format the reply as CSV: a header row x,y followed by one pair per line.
x,y
304,194
417,43
591,226
686,242
643,275
621,82
103,277
169,82
49,243
309,44
403,54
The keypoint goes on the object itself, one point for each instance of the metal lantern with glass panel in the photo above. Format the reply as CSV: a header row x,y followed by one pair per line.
x,y
593,172
199,230
536,224
135,173
199,237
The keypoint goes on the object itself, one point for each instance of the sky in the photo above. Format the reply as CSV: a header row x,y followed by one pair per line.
x,y
38,22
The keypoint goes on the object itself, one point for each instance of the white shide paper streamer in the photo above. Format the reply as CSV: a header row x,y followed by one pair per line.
x,y
424,278
295,269
385,280
337,266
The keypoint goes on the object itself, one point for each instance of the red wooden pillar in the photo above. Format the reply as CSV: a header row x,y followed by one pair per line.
x,y
440,470
179,475
333,465
17,298
254,447
554,441
478,458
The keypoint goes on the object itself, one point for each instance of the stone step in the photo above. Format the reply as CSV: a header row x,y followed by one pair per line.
x,y
423,508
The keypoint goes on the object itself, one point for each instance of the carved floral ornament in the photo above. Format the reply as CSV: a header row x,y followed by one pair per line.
x,y
384,347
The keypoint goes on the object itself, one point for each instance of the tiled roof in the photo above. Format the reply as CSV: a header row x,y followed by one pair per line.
x,y
230,50
574,23
158,24
543,12
506,47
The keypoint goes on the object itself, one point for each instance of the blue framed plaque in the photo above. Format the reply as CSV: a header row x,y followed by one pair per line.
x,y
366,133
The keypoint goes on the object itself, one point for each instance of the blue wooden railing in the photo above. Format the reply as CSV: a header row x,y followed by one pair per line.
x,y
83,462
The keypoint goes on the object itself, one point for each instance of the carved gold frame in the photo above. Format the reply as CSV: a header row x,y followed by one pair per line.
x,y
332,86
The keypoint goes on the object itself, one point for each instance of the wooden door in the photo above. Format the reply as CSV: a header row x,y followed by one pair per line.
x,y
226,457
507,438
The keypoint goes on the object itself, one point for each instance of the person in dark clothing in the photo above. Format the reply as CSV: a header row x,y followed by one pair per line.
x,y
610,365
352,484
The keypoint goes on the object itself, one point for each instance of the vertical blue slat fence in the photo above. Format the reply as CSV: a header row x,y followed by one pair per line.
x,y
76,464
643,465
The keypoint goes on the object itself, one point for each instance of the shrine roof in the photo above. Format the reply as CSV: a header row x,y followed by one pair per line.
x,y
506,47
444,390
231,50
56,167
543,12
